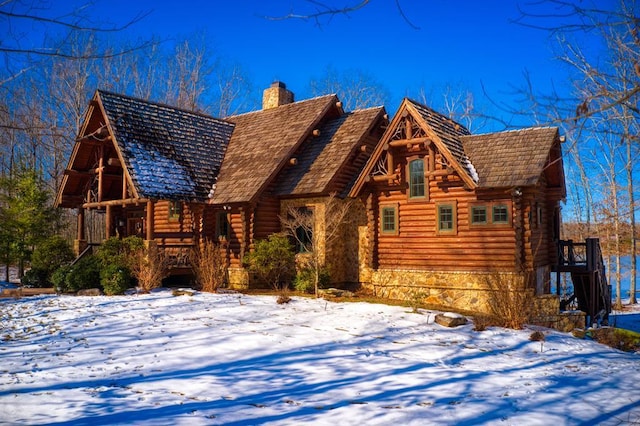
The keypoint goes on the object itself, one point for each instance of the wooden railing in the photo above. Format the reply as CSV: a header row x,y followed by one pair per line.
x,y
179,255
586,264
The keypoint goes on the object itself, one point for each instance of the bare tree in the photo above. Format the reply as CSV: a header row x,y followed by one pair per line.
x,y
316,229
355,88
601,48
322,13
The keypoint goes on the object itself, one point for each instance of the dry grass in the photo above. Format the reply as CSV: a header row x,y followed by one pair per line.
x,y
210,266
510,305
149,267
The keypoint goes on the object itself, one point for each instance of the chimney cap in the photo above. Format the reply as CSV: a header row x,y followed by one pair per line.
x,y
278,83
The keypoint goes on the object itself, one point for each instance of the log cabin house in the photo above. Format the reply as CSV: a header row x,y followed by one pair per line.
x,y
158,172
453,217
442,215
147,169
292,155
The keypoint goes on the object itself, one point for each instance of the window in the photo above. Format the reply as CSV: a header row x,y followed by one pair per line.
x,y
388,220
446,218
222,226
303,239
175,210
489,214
416,179
500,214
479,215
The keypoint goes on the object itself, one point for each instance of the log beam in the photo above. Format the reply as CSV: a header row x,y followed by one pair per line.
x,y
128,201
410,142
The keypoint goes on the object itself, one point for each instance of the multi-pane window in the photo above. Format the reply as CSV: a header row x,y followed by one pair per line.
x,y
416,179
500,214
389,222
489,213
479,215
175,210
446,218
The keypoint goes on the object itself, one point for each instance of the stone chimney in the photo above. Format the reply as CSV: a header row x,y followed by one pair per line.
x,y
276,95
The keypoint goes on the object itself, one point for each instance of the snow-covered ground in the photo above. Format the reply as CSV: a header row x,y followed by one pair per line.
x,y
235,360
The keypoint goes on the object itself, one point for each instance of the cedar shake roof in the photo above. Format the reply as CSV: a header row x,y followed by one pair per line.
x,y
320,159
262,142
512,158
170,153
449,132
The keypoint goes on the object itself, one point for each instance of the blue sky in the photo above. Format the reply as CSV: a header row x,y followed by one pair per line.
x,y
461,44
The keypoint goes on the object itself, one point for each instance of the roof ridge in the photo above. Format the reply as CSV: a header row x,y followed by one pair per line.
x,y
523,129
365,109
438,113
162,104
283,106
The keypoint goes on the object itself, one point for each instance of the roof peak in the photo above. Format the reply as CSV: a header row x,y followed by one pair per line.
x,y
160,104
285,106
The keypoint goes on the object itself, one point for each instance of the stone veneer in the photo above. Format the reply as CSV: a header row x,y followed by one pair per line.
x,y
466,291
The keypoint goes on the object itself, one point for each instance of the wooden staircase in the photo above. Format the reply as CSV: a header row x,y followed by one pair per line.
x,y
591,291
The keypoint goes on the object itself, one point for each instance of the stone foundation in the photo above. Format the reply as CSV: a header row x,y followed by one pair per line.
x,y
468,292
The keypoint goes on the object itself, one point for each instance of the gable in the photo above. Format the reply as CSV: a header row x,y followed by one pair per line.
x,y
416,128
331,161
261,144
159,151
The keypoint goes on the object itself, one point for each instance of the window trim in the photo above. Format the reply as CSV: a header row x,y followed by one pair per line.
x,y
396,225
490,222
507,221
454,218
425,182
472,215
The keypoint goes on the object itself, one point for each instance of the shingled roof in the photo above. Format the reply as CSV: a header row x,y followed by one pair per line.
x,y
511,158
321,158
449,133
170,153
262,142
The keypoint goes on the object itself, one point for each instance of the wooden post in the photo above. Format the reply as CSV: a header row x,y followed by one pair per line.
x,y
407,128
108,220
80,232
124,185
100,172
150,221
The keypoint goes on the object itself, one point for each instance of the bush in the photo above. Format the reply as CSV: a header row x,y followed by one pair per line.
x,y
84,274
115,279
51,254
35,277
210,266
305,280
59,278
115,251
273,260
149,267
509,301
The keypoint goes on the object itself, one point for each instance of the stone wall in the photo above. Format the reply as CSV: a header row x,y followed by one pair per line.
x,y
467,291
238,278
